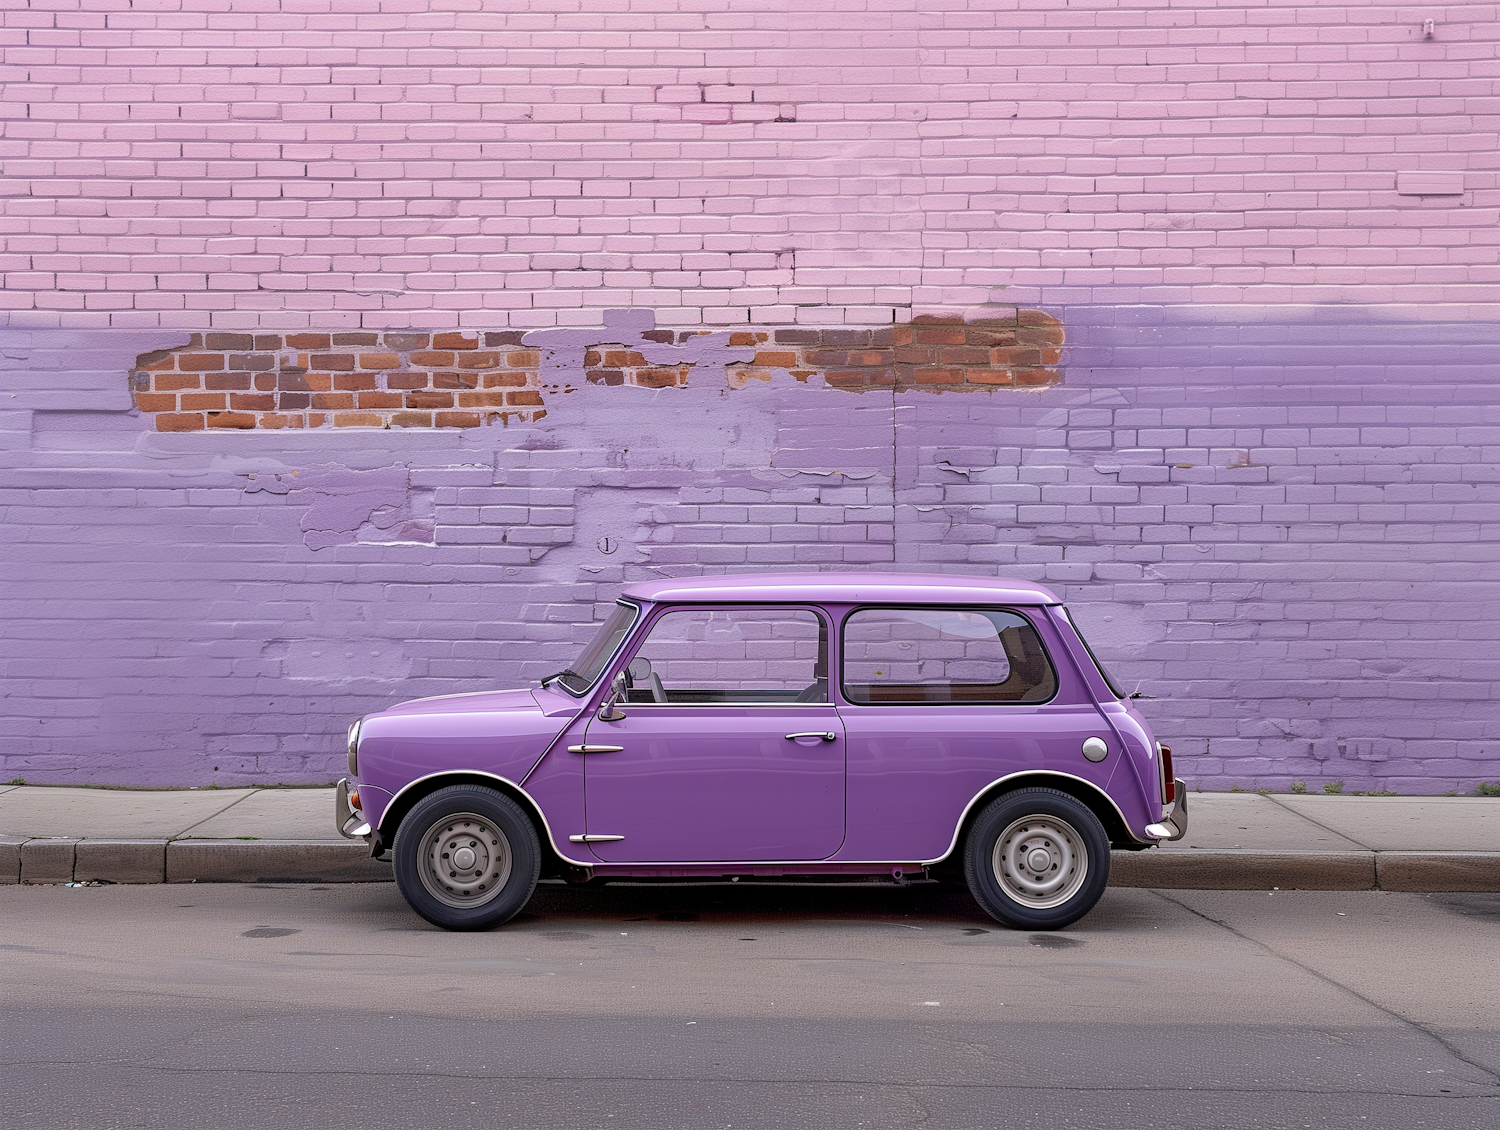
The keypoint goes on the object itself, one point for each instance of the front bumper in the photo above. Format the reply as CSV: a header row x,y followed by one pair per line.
x,y
1172,826
350,822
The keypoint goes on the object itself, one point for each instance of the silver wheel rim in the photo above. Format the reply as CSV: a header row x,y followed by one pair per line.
x,y
464,860
1040,861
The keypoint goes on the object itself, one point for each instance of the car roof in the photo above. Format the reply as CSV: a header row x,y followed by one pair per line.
x,y
842,588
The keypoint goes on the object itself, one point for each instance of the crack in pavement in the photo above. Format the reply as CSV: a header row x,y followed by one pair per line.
x,y
1406,1021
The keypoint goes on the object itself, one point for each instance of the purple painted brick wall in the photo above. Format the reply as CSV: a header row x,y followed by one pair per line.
x,y
1266,480
1280,523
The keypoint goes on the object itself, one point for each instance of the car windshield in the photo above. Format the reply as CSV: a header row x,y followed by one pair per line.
x,y
590,663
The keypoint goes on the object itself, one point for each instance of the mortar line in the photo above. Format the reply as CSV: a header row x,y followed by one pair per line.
x,y
1318,823
211,815
1327,980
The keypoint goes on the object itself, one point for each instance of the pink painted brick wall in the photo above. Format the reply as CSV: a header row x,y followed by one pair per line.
x,y
342,164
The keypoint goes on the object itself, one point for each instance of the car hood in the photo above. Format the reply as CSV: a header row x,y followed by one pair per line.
x,y
473,702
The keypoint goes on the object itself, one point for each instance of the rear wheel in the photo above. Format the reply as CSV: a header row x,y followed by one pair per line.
x,y
467,858
1037,859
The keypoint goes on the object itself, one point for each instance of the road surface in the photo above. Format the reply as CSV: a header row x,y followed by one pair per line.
x,y
746,1007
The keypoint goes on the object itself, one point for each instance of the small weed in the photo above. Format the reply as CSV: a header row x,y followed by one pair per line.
x,y
246,837
1235,789
1299,786
1264,792
1484,788
1450,792
1377,792
1333,788
16,781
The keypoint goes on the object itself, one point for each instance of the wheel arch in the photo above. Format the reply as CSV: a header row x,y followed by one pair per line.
x,y
1098,801
554,862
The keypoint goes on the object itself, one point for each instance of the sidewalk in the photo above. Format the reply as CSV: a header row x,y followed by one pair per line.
x,y
1235,841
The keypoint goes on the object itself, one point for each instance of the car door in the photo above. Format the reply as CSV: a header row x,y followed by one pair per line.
x,y
729,747
942,701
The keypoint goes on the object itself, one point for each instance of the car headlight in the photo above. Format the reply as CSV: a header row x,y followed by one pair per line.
x,y
354,747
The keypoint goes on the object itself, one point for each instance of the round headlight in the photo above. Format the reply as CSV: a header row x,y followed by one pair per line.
x,y
354,747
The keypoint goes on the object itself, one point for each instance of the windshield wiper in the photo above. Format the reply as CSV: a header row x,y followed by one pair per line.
x,y
562,674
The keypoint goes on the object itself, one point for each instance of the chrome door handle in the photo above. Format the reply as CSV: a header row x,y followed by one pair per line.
x,y
826,735
595,748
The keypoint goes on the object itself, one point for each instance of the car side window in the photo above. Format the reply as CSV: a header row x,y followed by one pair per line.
x,y
974,655
741,655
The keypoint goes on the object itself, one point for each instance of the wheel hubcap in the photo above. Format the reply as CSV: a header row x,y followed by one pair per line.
x,y
464,860
1040,861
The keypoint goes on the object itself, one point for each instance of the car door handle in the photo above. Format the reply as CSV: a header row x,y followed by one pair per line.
x,y
826,735
595,748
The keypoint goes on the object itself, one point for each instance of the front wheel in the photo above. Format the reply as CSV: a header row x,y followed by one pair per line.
x,y
467,858
1036,859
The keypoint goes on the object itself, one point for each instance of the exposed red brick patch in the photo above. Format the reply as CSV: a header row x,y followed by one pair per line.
x,y
933,353
467,380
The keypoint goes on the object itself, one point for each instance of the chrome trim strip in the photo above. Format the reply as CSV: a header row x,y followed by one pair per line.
x,y
742,705
587,839
596,748
720,864
552,839
964,815
635,622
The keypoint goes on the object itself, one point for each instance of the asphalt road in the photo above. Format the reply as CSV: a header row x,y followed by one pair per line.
x,y
746,1007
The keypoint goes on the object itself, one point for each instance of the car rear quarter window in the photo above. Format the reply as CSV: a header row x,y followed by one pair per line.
x,y
944,655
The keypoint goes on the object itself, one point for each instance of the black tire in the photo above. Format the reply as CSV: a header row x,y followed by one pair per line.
x,y
1013,881
451,889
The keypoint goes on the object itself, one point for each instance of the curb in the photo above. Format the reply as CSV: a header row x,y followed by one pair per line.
x,y
1253,870
63,860
67,860
273,861
1438,870
1245,870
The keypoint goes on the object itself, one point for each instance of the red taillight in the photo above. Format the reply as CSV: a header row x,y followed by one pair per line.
x,y
1168,778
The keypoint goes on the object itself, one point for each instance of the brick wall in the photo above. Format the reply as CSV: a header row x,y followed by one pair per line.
x,y
528,163
408,379
663,243
1281,525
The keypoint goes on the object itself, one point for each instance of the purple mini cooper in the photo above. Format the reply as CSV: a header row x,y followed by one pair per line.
x,y
778,725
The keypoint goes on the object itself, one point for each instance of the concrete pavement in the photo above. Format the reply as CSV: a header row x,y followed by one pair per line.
x,y
1235,841
305,1006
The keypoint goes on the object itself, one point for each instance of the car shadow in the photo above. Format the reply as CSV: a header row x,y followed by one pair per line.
x,y
915,905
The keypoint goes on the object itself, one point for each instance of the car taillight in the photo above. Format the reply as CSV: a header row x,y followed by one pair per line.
x,y
1168,778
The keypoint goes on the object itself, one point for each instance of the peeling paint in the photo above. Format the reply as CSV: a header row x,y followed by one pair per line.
x,y
339,501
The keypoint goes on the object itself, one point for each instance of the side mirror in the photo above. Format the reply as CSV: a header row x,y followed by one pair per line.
x,y
609,711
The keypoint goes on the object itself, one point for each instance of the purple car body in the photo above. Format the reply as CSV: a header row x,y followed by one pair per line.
x,y
843,777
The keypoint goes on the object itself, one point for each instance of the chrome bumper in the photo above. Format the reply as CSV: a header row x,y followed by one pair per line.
x,y
1172,826
351,824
